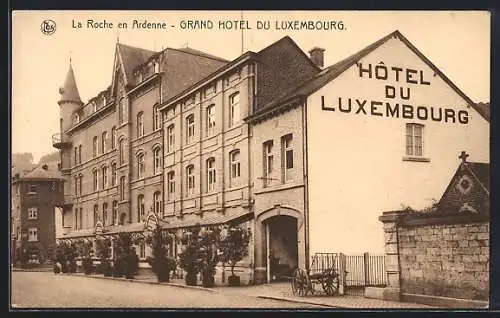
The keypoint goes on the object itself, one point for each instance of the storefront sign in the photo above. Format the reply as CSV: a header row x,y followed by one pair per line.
x,y
396,101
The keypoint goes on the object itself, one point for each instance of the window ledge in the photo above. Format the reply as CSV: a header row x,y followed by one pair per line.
x,y
416,159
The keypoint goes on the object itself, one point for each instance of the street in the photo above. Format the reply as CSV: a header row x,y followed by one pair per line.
x,y
47,290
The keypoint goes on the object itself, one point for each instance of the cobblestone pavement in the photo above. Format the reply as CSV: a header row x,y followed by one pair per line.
x,y
47,290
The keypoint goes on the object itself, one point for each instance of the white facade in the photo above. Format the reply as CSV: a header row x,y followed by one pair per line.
x,y
357,163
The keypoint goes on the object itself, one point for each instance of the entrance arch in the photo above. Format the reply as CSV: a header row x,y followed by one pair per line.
x,y
281,230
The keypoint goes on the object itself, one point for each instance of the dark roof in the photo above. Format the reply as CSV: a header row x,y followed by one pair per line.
x,y
131,57
229,64
482,172
485,107
40,173
331,72
69,91
183,67
201,53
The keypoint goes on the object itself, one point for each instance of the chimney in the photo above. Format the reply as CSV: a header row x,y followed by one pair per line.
x,y
45,167
317,56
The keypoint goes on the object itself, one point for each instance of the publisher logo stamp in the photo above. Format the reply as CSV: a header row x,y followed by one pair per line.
x,y
48,27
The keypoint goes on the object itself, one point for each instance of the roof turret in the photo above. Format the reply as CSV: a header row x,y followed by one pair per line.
x,y
69,92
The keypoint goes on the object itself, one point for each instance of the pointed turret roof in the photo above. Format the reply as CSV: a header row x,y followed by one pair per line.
x,y
69,92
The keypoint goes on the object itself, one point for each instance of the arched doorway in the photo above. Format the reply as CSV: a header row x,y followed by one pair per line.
x,y
281,246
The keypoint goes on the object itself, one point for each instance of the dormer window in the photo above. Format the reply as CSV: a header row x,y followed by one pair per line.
x,y
104,100
76,117
156,66
139,76
94,106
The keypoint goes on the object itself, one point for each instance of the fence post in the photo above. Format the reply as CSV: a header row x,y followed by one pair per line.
x,y
342,273
366,268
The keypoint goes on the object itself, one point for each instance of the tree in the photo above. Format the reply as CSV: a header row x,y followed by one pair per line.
x,y
189,258
85,252
233,248
208,256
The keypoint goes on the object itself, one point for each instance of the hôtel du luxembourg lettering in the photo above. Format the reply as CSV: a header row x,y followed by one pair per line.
x,y
395,97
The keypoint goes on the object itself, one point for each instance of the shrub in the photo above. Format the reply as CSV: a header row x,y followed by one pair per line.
x,y
126,261
208,256
85,252
103,252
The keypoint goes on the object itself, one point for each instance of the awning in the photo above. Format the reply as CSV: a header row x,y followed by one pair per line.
x,y
77,234
215,220
128,228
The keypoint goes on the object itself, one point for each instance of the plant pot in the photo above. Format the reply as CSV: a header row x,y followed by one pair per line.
x,y
208,280
163,275
129,276
233,280
191,279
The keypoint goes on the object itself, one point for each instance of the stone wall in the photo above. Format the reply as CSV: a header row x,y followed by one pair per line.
x,y
449,260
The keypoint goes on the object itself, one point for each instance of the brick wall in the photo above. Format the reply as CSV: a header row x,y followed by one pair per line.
x,y
449,260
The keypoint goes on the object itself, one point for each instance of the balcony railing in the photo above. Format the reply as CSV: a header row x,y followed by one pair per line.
x,y
57,142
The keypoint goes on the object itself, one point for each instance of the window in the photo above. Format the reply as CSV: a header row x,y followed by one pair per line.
x,y
234,158
170,138
156,117
171,185
414,140
121,150
33,213
77,118
32,189
140,166
80,185
76,186
157,202
142,250
104,100
104,213
95,146
80,221
140,124
96,213
234,109
210,120
140,208
114,213
113,137
156,66
76,219
122,188
113,174
94,107
268,161
95,174
211,174
189,129
286,157
157,160
121,111
103,142
80,154
190,180
76,156
104,177
33,234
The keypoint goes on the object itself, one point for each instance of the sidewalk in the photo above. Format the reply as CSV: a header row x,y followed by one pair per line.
x,y
282,291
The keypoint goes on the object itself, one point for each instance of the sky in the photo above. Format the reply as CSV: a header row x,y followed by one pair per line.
x,y
458,43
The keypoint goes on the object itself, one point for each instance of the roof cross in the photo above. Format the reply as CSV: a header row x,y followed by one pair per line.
x,y
463,156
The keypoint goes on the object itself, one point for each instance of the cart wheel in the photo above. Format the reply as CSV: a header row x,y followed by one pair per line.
x,y
300,282
330,282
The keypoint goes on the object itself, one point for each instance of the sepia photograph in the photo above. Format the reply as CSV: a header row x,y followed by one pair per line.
x,y
292,160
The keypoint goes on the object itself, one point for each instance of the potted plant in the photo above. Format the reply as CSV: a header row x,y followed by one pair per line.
x,y
207,250
131,263
103,252
126,261
233,248
189,258
85,252
160,263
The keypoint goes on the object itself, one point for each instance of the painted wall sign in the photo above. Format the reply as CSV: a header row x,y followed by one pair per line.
x,y
396,102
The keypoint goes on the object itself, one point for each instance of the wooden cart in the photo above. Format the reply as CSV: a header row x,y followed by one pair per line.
x,y
304,282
